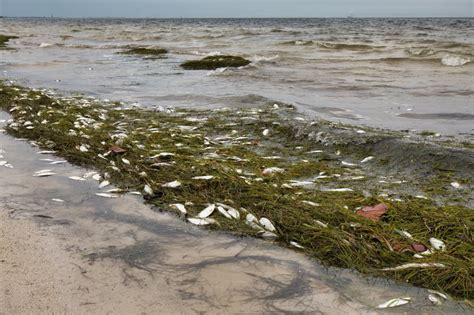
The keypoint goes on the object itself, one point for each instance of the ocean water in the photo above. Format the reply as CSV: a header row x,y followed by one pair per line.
x,y
415,74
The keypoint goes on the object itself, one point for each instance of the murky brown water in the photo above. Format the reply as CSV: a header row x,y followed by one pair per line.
x,y
175,267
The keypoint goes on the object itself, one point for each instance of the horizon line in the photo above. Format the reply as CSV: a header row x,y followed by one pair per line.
x,y
250,17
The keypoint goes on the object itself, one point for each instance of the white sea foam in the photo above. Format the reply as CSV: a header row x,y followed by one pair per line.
x,y
454,61
258,58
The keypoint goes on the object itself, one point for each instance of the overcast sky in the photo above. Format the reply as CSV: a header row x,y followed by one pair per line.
x,y
235,8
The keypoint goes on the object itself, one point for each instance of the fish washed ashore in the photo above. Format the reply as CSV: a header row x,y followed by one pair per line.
x,y
364,199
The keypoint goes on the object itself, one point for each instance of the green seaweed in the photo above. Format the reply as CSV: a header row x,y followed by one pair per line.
x,y
4,40
215,62
146,52
230,146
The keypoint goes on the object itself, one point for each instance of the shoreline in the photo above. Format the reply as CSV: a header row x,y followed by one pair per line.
x,y
211,154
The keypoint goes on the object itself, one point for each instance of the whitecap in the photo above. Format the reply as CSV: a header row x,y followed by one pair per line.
x,y
454,61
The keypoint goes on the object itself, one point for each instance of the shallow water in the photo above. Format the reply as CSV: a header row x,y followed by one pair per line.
x,y
205,271
392,73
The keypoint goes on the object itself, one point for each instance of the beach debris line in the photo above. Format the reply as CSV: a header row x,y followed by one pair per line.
x,y
184,160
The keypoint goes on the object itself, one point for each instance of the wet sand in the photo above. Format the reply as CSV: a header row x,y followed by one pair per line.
x,y
89,254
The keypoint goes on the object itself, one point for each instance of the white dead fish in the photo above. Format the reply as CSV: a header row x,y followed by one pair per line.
x,y
105,195
58,162
268,236
321,224
147,189
57,200
395,302
360,131
415,265
267,224
456,185
434,299
251,218
89,174
338,190
180,207
266,132
224,212
207,211
105,183
124,160
83,148
404,234
297,183
173,184
437,244
347,163
272,170
442,295
197,221
315,151
314,204
207,177
367,159
44,174
77,178
295,244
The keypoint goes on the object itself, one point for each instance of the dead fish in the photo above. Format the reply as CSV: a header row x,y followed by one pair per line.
x,y
266,132
58,162
77,178
105,183
231,211
415,265
89,174
295,244
404,234
124,160
367,159
115,191
197,221
434,299
224,212
147,189
84,148
315,151
272,170
314,204
57,200
395,302
207,177
338,190
267,224
348,164
179,207
105,195
173,184
268,236
437,244
44,174
456,185
251,218
297,183
207,211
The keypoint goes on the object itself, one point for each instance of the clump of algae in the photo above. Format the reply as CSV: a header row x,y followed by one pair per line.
x,y
215,62
146,52
233,148
4,40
